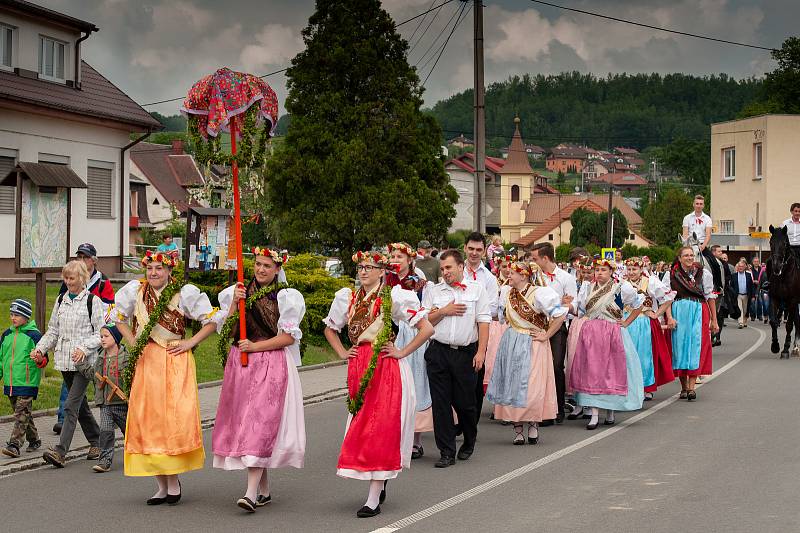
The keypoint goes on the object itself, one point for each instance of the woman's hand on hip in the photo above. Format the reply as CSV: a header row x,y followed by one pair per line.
x,y
180,347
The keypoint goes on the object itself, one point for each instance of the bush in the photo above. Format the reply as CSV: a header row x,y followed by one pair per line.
x,y
458,238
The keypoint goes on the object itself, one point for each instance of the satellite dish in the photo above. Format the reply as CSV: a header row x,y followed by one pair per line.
x,y
577,189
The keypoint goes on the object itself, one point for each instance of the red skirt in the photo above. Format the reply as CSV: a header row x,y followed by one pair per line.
x,y
662,357
372,441
705,349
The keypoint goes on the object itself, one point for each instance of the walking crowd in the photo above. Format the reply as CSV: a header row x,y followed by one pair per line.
x,y
426,337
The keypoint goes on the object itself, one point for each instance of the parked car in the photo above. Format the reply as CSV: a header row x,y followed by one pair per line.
x,y
334,267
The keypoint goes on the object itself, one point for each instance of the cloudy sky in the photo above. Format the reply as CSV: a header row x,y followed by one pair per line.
x,y
155,49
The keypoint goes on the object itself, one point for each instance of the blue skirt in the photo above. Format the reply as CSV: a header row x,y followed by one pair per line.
x,y
635,397
687,337
512,368
417,362
642,337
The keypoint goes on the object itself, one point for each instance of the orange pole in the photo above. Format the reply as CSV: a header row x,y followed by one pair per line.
x,y
237,225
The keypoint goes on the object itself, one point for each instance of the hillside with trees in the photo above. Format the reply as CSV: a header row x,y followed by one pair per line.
x,y
636,110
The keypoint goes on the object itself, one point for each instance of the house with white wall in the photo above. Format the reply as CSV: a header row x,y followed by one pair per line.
x,y
56,108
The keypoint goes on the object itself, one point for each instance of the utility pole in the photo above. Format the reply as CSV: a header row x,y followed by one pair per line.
x,y
609,220
479,203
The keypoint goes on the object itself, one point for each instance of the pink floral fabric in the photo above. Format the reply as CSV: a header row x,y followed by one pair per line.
x,y
227,93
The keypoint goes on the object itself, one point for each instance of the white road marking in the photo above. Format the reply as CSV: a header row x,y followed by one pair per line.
x,y
530,467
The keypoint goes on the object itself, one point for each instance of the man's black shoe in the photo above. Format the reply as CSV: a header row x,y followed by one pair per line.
x,y
545,423
445,461
560,418
465,452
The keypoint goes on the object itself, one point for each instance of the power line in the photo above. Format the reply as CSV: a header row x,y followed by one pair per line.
x,y
657,28
458,22
435,42
287,68
424,33
422,20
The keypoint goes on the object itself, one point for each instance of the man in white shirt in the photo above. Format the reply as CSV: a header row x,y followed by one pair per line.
x,y
566,286
792,226
460,315
699,224
476,270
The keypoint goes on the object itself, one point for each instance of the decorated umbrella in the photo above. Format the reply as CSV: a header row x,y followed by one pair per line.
x,y
246,107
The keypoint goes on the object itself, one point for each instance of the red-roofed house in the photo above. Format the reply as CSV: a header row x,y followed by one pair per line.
x,y
171,174
622,180
55,108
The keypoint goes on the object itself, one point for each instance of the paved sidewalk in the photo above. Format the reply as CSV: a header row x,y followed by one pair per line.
x,y
320,383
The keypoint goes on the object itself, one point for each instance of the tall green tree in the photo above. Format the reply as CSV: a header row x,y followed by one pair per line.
x,y
663,219
689,158
780,92
361,164
589,227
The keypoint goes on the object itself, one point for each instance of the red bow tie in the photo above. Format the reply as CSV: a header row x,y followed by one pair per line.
x,y
474,274
459,285
699,220
550,276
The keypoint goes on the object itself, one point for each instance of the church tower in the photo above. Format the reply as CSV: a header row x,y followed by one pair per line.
x,y
516,187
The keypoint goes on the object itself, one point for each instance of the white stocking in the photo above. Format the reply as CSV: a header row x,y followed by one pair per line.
x,y
595,416
253,480
610,415
374,497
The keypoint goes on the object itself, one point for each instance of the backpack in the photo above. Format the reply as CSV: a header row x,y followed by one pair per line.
x,y
88,306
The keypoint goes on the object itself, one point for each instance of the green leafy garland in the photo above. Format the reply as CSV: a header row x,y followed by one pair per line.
x,y
354,404
223,344
248,153
167,294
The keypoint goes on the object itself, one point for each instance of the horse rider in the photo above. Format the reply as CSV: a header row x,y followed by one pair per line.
x,y
792,225
699,224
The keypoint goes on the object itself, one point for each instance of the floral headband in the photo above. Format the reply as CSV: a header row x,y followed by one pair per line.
x,y
403,247
521,267
374,257
503,260
158,257
272,254
605,262
634,261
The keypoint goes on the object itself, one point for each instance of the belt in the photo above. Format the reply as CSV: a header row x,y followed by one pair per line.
x,y
453,346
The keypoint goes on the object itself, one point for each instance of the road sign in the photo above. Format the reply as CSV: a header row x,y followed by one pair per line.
x,y
760,235
608,253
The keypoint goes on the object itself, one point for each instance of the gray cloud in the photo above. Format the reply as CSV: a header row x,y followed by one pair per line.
x,y
155,49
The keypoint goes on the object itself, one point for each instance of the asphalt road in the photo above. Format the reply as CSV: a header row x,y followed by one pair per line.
x,y
727,462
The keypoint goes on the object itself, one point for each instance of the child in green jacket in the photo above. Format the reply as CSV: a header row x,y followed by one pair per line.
x,y
21,373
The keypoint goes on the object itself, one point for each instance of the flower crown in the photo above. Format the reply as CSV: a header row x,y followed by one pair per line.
x,y
503,260
634,261
403,247
158,257
521,267
605,262
375,257
272,254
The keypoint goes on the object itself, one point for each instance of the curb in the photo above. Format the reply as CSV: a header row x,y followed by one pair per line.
x,y
76,454
206,385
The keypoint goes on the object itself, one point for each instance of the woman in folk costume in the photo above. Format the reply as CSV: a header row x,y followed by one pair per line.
x,y
646,330
163,438
694,319
523,386
380,429
498,326
585,276
605,372
259,423
401,258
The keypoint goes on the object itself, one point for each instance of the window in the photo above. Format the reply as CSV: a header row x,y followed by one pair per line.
x,y
156,202
99,178
728,164
7,194
758,160
515,193
550,237
51,59
631,237
6,45
726,227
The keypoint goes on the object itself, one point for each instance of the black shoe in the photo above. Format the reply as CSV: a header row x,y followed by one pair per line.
x,y
11,450
445,461
691,395
608,422
417,452
684,394
592,426
465,452
247,504
33,446
57,428
560,418
366,512
545,423
383,492
571,417
156,501
262,500
173,499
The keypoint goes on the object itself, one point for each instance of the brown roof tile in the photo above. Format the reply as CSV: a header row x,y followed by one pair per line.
x,y
170,174
97,97
517,162
45,174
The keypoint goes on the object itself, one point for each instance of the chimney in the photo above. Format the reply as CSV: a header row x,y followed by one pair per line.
x,y
177,146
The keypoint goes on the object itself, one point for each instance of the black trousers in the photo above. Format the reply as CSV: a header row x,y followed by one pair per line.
x,y
479,394
558,345
716,272
452,381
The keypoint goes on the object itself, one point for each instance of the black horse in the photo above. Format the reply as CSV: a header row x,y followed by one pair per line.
x,y
784,289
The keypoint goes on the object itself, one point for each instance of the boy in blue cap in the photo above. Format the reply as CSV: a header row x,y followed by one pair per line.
x,y
21,373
